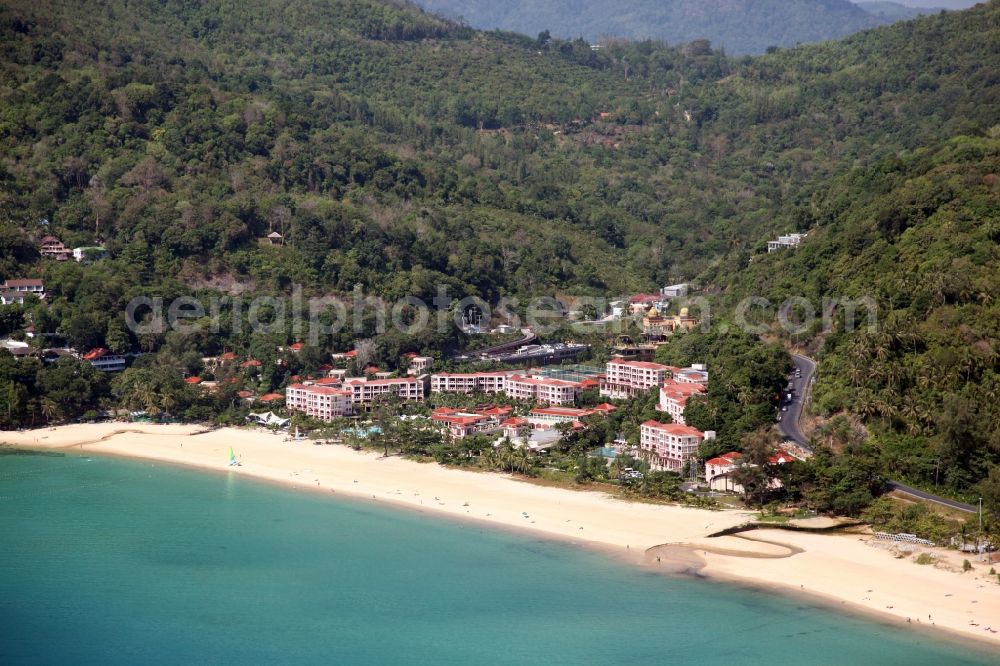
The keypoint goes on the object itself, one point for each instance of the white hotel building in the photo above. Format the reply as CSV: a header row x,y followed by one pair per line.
x,y
626,379
367,391
321,402
470,382
543,390
674,396
670,446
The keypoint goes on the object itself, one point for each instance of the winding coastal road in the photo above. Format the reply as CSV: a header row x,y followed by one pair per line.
x,y
791,430
789,424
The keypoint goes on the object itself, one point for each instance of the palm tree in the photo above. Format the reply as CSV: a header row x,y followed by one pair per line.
x,y
617,467
489,459
521,459
50,410
505,455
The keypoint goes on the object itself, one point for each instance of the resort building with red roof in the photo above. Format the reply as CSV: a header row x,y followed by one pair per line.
x,y
674,396
626,379
670,446
320,402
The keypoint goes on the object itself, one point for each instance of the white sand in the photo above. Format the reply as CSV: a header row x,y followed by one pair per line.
x,y
842,569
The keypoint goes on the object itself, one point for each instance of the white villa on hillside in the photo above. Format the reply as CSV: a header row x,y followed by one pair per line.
x,y
785,242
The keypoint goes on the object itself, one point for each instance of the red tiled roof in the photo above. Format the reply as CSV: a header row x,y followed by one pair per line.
x,y
244,394
645,298
252,363
675,428
781,457
327,381
96,353
228,356
474,374
329,390
23,282
296,346
457,419
606,407
562,411
271,397
541,381
496,411
514,422
193,380
725,459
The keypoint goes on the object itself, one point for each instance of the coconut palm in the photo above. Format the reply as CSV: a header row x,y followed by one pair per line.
x,y
50,410
617,467
489,458
521,460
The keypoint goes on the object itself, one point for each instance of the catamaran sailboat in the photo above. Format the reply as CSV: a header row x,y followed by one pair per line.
x,y
233,462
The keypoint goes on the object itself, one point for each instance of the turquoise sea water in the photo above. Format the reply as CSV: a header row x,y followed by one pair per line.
x,y
111,561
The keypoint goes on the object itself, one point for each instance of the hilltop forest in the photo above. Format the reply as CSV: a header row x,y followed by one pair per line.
x,y
399,151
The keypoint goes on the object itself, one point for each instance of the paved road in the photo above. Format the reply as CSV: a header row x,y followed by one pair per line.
x,y
789,424
937,499
789,427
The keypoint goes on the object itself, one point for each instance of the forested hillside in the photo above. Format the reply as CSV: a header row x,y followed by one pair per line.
x,y
919,235
181,135
738,26
398,151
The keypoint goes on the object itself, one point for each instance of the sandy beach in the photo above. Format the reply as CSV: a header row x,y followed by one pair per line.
x,y
849,571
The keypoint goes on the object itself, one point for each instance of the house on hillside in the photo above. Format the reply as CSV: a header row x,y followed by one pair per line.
x,y
105,360
790,241
24,286
675,291
419,365
51,247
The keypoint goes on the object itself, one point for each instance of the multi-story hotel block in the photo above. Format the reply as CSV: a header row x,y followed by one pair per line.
x,y
543,390
320,402
674,396
696,374
669,446
469,382
366,391
626,379
329,398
